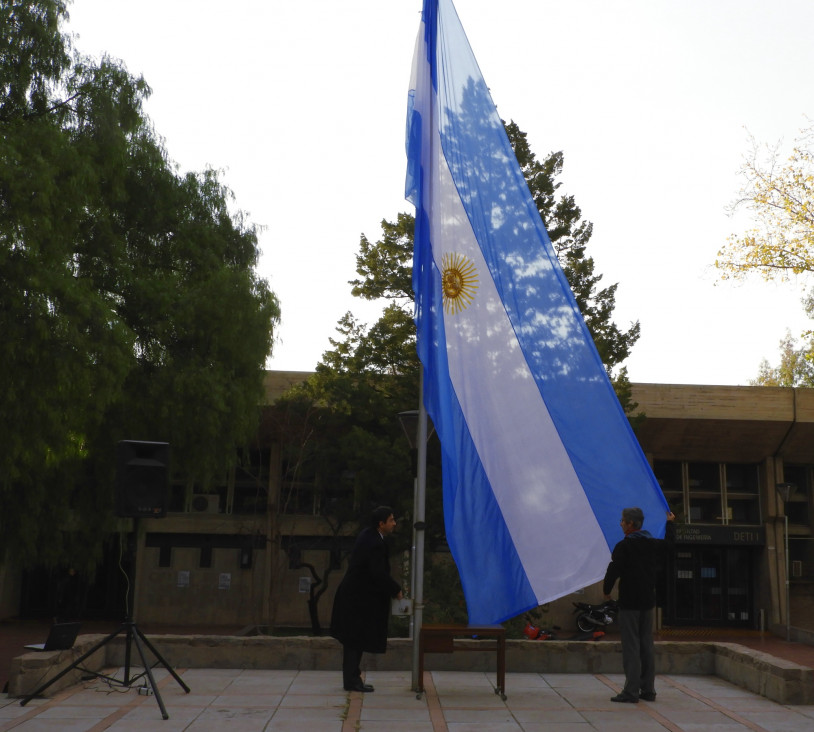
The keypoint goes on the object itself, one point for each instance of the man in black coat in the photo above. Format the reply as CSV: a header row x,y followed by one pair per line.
x,y
635,562
361,608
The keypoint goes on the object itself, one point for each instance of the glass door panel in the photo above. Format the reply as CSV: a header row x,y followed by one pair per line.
x,y
738,586
685,585
711,584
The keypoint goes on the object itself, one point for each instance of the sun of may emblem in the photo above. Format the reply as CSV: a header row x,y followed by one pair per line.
x,y
459,281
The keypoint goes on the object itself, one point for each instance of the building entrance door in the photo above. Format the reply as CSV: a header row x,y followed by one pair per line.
x,y
712,585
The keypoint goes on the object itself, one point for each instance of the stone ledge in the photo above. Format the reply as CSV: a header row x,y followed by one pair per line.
x,y
776,679
29,671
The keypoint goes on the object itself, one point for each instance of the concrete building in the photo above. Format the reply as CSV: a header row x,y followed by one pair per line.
x,y
719,453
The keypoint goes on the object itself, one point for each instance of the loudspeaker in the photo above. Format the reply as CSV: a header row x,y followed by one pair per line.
x,y
142,479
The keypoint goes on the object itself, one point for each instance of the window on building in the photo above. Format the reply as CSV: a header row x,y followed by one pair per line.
x,y
165,555
251,482
704,486
670,475
298,486
801,556
742,493
798,507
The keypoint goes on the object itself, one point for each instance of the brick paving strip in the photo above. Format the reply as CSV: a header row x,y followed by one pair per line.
x,y
33,712
439,724
646,706
717,707
651,710
351,723
100,726
137,700
119,713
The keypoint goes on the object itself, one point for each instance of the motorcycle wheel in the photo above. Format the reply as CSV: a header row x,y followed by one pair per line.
x,y
585,625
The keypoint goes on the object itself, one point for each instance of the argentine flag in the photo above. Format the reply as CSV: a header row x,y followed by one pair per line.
x,y
538,457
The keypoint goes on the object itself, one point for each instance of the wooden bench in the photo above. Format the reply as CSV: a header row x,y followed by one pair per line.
x,y
441,639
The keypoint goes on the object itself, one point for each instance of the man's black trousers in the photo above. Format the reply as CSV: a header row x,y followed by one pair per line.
x,y
351,660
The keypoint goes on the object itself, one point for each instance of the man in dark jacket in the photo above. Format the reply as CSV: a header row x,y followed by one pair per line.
x,y
635,562
362,604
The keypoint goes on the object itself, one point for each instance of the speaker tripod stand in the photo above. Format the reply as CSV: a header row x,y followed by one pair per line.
x,y
133,635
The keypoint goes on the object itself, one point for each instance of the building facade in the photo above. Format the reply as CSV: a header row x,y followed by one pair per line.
x,y
724,457
247,554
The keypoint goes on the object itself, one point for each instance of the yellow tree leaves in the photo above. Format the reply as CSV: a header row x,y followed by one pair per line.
x,y
781,199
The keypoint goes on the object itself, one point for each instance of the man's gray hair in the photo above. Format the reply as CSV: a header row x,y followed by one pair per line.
x,y
634,516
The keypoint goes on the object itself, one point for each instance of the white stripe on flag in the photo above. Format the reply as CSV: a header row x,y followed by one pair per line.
x,y
530,472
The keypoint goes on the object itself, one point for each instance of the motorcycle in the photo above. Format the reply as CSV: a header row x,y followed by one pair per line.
x,y
594,617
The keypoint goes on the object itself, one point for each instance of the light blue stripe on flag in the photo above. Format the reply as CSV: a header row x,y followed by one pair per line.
x,y
539,458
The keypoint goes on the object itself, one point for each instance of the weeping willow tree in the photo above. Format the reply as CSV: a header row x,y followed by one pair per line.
x,y
129,303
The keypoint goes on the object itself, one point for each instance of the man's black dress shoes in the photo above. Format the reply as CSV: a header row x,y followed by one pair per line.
x,y
359,686
624,699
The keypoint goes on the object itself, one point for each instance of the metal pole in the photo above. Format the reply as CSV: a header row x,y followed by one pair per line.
x,y
419,526
412,558
788,592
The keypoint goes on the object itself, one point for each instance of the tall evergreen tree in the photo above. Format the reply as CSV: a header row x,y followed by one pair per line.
x,y
385,272
570,235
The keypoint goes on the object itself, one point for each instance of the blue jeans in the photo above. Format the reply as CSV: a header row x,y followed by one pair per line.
x,y
638,659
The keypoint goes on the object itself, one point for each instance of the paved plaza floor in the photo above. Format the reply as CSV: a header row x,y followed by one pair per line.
x,y
313,701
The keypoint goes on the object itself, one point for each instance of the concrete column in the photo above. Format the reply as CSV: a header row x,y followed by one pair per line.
x,y
272,554
774,542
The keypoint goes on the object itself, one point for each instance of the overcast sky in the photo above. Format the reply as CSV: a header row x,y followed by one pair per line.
x,y
302,105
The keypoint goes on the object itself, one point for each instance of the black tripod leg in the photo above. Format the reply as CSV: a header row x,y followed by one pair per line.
x,y
74,665
128,642
149,673
161,659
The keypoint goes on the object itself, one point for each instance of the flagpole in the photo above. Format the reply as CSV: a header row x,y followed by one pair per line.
x,y
419,526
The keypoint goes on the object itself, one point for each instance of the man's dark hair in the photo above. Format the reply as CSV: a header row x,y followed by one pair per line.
x,y
380,515
634,516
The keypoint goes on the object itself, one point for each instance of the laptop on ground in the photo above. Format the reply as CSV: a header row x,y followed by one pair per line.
x,y
61,637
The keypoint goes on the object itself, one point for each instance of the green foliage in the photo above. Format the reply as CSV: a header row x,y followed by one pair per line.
x,y
444,596
33,54
386,348
569,236
385,272
129,305
781,243
387,266
344,453
796,367
369,376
